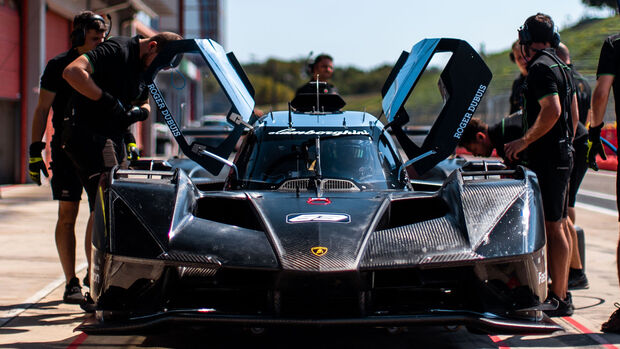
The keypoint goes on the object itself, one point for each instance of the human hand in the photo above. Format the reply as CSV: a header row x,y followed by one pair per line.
x,y
595,146
111,104
36,165
133,153
513,148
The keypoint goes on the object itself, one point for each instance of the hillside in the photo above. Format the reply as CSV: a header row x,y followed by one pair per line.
x,y
275,81
584,41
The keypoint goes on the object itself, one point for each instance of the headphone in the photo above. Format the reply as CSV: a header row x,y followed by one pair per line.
x,y
525,37
78,35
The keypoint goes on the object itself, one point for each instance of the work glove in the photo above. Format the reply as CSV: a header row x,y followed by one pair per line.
x,y
36,163
133,153
111,105
595,146
135,114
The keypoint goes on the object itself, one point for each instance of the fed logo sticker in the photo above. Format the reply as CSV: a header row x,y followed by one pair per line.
x,y
318,218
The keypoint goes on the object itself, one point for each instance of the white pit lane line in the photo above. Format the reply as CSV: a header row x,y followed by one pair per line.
x,y
605,211
597,195
34,299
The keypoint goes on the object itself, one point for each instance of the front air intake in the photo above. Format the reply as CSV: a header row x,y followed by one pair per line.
x,y
328,185
231,211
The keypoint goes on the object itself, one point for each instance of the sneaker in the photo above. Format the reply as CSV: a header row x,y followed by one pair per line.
x,y
577,280
565,306
86,280
73,292
613,324
87,304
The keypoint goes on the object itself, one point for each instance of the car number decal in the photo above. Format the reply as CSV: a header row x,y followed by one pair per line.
x,y
318,217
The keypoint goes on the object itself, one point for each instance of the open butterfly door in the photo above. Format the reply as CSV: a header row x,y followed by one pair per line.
x,y
232,80
464,81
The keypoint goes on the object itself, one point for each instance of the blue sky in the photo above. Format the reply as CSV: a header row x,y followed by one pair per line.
x,y
367,33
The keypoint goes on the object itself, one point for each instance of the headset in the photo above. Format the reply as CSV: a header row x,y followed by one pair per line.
x,y
78,35
525,37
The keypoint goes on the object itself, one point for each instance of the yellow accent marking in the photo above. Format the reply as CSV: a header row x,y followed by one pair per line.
x,y
105,224
319,251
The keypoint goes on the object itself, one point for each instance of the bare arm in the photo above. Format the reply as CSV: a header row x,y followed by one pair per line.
x,y
78,75
549,114
575,114
39,120
600,97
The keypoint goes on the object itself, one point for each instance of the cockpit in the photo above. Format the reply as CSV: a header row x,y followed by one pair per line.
x,y
275,158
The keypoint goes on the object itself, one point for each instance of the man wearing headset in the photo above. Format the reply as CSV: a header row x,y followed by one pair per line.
x,y
550,116
88,32
322,70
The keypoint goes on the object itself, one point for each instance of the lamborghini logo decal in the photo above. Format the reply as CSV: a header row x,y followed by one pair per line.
x,y
319,251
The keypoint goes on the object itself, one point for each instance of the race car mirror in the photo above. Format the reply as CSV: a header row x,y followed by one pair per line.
x,y
231,78
463,82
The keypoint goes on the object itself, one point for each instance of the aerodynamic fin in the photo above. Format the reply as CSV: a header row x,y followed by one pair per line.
x,y
231,78
463,81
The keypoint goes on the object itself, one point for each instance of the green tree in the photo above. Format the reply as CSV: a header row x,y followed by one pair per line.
x,y
602,3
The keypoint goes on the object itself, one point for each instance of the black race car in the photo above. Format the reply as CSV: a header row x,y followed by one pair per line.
x,y
320,221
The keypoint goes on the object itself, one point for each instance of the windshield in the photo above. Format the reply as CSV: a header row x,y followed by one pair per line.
x,y
275,159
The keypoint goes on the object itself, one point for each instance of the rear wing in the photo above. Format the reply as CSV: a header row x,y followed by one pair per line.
x,y
464,81
233,82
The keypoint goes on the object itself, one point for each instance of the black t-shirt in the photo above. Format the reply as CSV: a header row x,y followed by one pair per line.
x,y
584,99
52,81
310,87
516,96
117,70
609,64
584,94
505,131
545,78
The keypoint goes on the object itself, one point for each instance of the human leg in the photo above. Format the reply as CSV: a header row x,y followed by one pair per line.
x,y
613,323
575,261
65,236
553,182
559,249
88,247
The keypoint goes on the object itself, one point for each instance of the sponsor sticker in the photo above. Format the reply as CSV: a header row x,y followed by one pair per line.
x,y
294,218
339,132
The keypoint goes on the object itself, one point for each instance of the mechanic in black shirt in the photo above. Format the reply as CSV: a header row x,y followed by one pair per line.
x,y
88,31
113,96
322,69
480,139
608,69
550,117
576,276
516,94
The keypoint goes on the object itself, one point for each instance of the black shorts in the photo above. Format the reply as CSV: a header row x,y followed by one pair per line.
x,y
553,180
92,156
580,167
66,184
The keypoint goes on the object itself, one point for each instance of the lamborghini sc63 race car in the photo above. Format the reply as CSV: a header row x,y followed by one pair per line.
x,y
320,221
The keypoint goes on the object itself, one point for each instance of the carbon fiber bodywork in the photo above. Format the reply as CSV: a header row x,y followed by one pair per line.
x,y
299,234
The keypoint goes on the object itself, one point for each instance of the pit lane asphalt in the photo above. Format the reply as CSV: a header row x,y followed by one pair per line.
x,y
33,316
